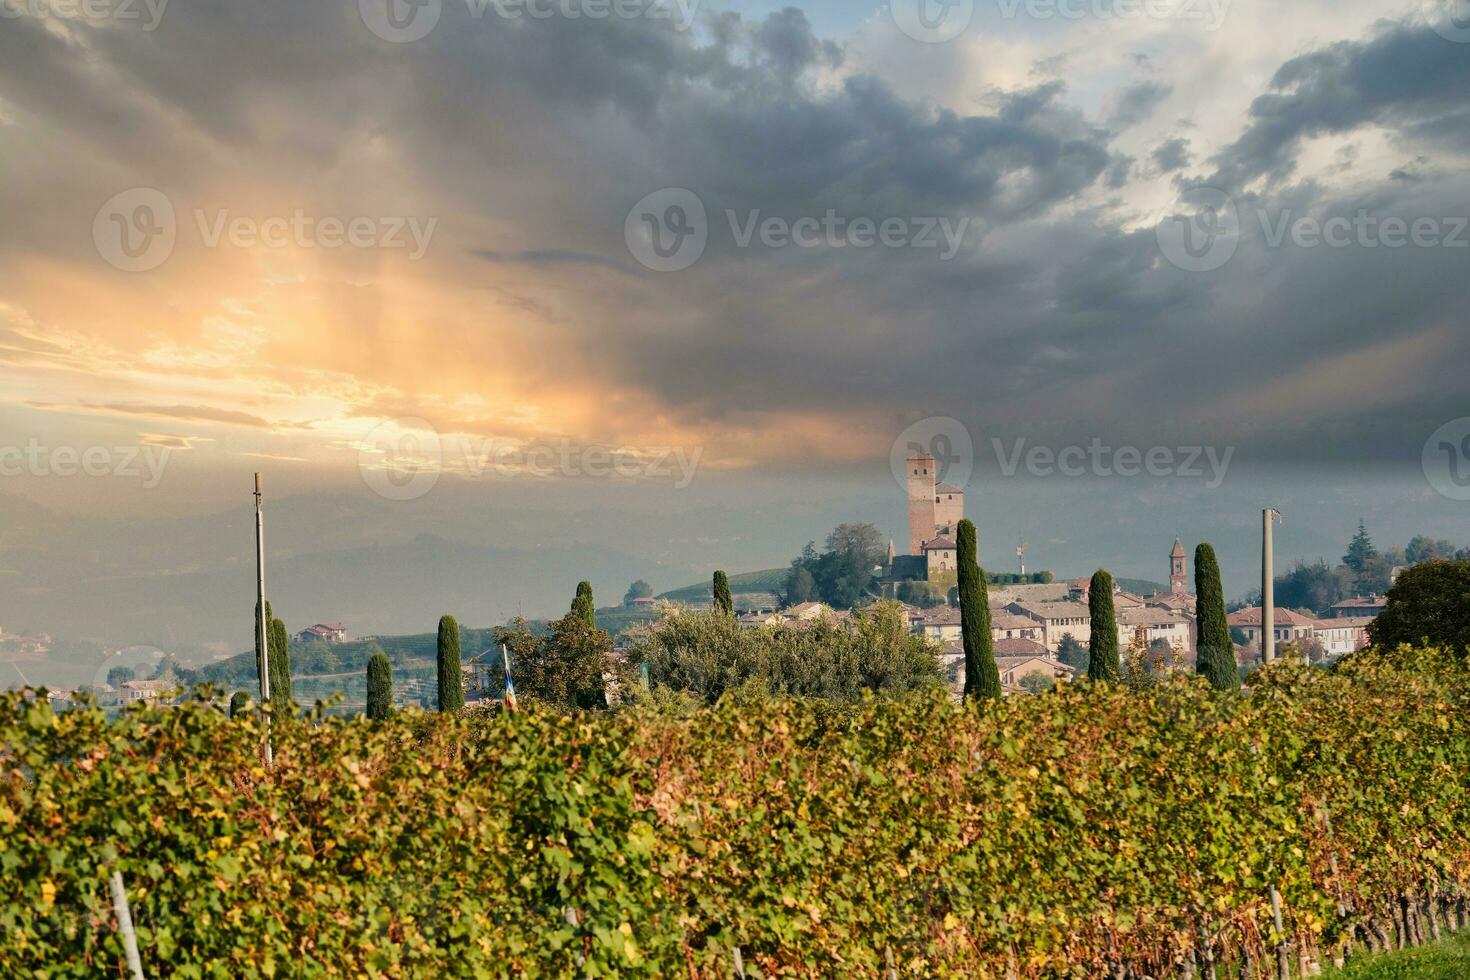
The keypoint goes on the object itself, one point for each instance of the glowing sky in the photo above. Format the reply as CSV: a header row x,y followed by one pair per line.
x,y
490,290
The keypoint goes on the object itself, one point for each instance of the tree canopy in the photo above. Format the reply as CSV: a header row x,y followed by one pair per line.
x,y
841,575
707,654
1431,600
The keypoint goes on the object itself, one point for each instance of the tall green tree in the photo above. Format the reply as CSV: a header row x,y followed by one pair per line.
x,y
1102,649
280,668
1360,551
724,604
564,668
1072,653
238,702
843,574
1216,654
638,590
582,605
379,686
451,678
1431,601
982,676
1363,560
275,661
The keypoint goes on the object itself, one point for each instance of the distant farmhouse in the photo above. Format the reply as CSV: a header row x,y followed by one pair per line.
x,y
145,692
326,632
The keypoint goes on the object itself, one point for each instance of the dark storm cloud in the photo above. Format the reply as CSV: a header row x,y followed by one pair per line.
x,y
1172,155
1048,313
1138,102
1408,79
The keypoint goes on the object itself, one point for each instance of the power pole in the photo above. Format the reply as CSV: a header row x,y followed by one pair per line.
x,y
1268,582
262,635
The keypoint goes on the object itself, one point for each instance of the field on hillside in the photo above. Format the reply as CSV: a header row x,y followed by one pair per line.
x,y
765,584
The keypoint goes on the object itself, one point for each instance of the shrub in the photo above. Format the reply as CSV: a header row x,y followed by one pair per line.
x,y
708,655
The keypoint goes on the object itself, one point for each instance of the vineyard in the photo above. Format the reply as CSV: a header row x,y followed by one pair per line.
x,y
1089,832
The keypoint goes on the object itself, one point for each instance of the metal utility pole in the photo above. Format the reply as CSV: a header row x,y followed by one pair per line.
x,y
262,635
1268,581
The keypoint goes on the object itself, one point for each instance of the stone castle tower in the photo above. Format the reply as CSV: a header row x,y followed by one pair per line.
x,y
1178,570
934,508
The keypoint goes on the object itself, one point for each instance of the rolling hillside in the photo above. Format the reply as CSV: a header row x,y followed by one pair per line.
x,y
762,587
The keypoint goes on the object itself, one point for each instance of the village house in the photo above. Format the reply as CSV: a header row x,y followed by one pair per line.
x,y
1150,623
1342,634
807,611
148,692
1363,605
1057,619
942,623
1015,660
1287,626
941,558
1014,669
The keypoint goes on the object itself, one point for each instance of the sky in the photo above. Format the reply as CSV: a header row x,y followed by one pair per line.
x,y
655,289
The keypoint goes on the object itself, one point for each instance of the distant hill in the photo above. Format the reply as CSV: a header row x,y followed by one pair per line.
x,y
767,582
1140,586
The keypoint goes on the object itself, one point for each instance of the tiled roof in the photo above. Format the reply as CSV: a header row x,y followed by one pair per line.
x,y
1358,602
941,616
1055,610
1019,647
948,488
1149,616
939,543
1251,616
1345,622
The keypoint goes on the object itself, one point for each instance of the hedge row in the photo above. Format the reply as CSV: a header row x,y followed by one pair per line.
x,y
1080,833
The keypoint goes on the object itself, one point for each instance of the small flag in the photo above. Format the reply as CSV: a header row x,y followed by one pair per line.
x,y
510,688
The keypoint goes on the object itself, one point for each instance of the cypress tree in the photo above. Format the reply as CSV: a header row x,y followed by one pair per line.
x,y
982,676
1102,660
280,667
582,604
238,701
451,680
379,686
721,592
1216,654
